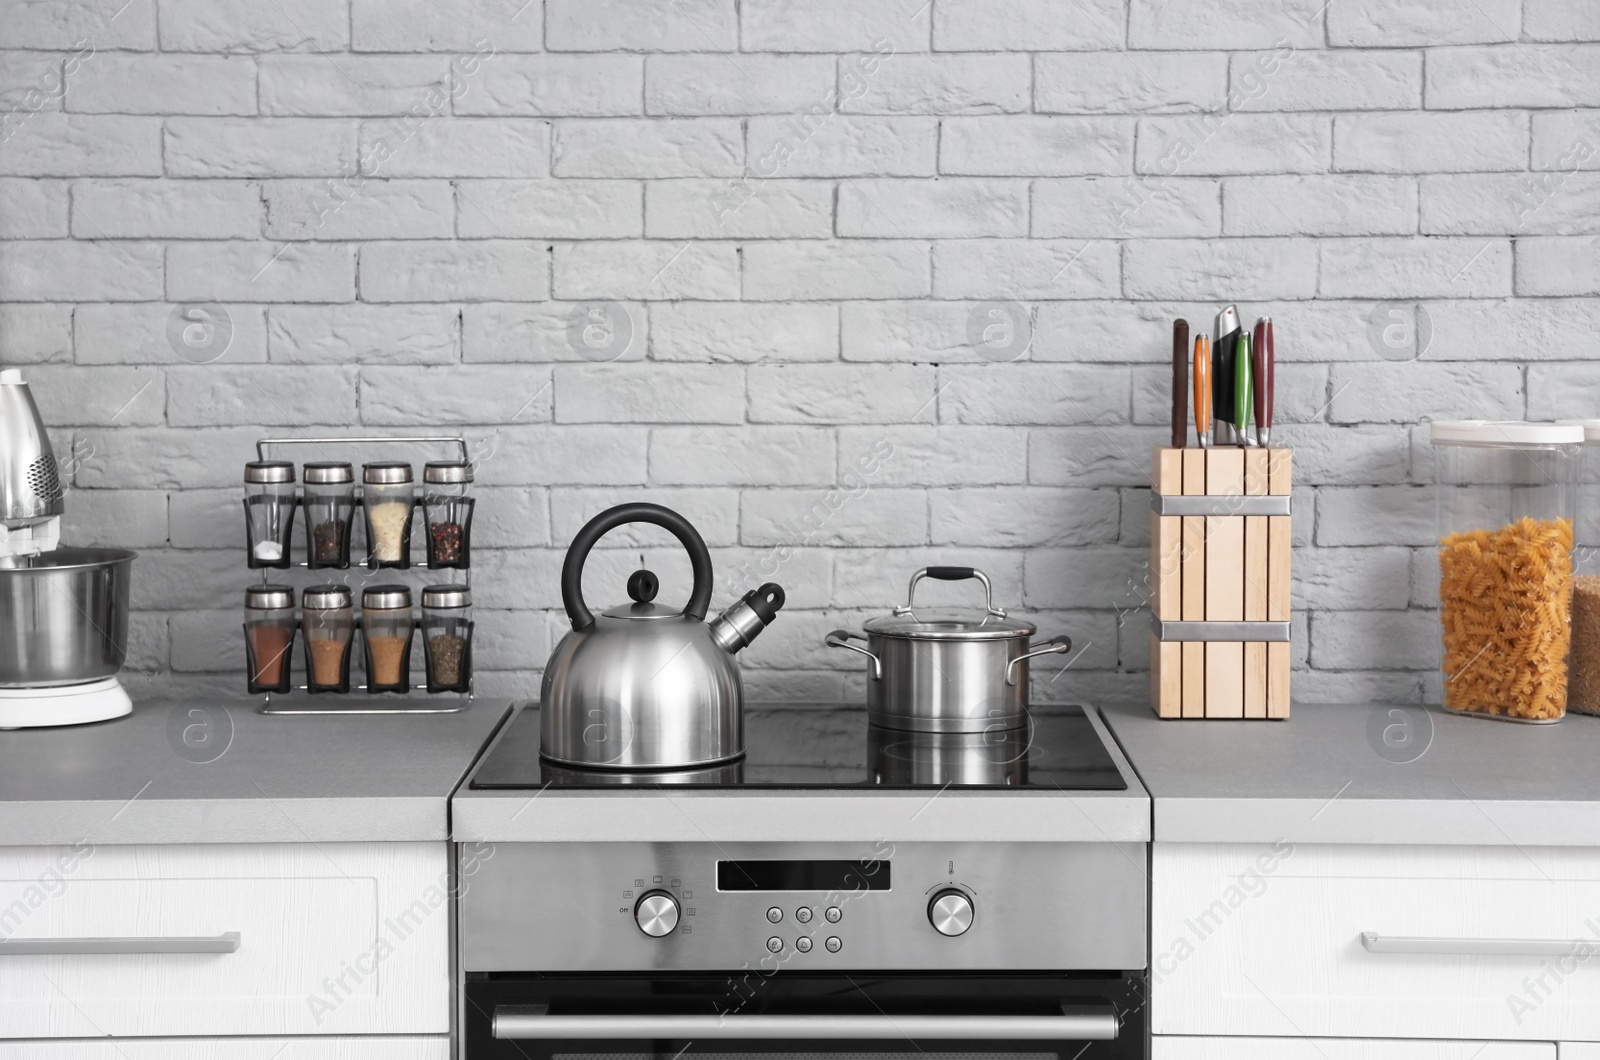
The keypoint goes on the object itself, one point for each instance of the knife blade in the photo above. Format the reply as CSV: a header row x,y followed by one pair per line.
x,y
1224,345
1241,391
1180,383
1202,389
1264,369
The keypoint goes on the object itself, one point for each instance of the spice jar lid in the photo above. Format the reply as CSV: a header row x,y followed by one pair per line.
x,y
446,472
329,472
325,598
443,596
1591,429
385,597
257,472
1507,434
268,597
386,473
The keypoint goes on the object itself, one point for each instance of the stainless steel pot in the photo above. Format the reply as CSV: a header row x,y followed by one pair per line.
x,y
64,617
947,669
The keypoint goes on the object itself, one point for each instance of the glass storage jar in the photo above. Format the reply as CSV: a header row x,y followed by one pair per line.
x,y
329,621
330,504
447,637
388,494
268,512
386,625
448,508
1505,503
268,636
1583,689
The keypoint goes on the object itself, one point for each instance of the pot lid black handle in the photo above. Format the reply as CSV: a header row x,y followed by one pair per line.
x,y
622,515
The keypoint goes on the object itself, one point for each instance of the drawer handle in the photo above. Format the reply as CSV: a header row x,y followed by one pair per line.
x,y
227,942
1376,943
521,1022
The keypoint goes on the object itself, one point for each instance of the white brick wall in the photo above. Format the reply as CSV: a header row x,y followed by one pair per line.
x,y
796,207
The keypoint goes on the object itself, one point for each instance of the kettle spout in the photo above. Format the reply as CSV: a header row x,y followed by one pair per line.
x,y
743,622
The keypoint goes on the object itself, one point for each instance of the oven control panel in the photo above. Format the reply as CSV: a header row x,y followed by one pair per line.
x,y
805,906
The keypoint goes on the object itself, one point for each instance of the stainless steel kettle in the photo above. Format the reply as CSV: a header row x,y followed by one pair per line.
x,y
644,686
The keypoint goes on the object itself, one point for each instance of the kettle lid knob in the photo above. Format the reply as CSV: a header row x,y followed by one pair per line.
x,y
643,586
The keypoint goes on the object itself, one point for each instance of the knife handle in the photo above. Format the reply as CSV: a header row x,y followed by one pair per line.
x,y
1241,387
1180,384
1202,388
1264,365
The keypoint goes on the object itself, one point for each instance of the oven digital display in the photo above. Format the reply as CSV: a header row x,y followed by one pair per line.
x,y
863,875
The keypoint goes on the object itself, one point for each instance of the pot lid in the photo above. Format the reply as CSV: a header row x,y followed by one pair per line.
x,y
950,623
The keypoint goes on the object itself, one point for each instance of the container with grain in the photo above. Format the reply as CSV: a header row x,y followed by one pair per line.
x,y
388,494
328,618
447,507
1583,692
330,504
1505,502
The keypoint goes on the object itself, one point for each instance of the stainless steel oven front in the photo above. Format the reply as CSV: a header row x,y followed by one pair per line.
x,y
784,951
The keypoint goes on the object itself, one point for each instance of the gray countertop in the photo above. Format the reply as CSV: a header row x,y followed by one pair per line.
x,y
228,774
1354,774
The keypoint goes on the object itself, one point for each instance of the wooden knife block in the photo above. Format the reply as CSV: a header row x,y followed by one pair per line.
x,y
1220,583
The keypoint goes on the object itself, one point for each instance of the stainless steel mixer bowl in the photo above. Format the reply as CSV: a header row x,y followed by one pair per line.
x,y
64,617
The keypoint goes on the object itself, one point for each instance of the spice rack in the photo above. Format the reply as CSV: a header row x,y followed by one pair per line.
x,y
387,627
1219,548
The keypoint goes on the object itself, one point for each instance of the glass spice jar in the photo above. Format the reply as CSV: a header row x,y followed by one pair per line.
x,y
330,503
1583,690
448,511
388,493
268,512
328,618
1505,494
447,637
386,626
268,636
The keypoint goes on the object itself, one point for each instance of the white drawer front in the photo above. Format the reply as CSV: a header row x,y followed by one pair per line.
x,y
332,939
234,1049
1250,940
1345,1049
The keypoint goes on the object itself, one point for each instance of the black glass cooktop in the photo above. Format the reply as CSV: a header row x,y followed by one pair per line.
x,y
806,745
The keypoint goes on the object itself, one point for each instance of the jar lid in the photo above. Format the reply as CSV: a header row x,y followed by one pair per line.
x,y
268,471
385,597
329,472
268,597
386,473
325,598
1591,429
444,596
445,472
1508,434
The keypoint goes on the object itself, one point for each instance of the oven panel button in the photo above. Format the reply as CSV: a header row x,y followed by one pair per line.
x,y
775,944
656,914
803,944
833,944
950,913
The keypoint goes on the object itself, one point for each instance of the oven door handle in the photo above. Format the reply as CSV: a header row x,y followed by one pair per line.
x,y
518,1022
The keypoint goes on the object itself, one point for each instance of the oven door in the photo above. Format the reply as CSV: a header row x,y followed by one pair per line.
x,y
755,1015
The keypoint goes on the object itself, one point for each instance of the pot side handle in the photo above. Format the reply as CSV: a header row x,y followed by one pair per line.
x,y
1059,646
840,638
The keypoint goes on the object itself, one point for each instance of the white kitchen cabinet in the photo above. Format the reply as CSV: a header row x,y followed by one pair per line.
x,y
1263,940
1579,1051
1185,1048
332,939
436,1048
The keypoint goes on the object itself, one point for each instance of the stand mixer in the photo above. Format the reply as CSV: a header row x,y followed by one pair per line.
x,y
63,611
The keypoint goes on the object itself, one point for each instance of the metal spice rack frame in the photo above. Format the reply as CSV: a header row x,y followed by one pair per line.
x,y
431,705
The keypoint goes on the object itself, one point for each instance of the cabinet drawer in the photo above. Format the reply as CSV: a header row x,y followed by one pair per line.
x,y
437,1048
1345,1049
1471,942
224,940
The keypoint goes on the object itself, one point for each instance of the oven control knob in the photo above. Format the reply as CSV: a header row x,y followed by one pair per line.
x,y
657,914
950,913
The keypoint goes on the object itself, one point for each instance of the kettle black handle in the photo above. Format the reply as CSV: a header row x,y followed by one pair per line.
x,y
622,515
